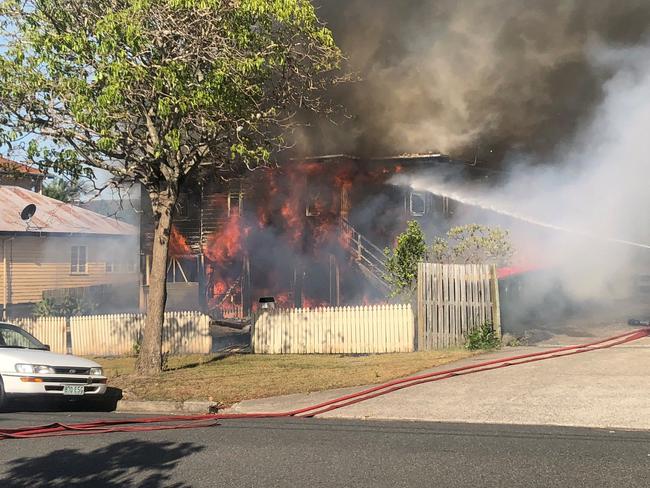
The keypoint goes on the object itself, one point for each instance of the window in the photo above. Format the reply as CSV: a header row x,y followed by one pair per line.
x,y
182,206
314,205
234,204
448,207
78,259
113,266
417,204
11,336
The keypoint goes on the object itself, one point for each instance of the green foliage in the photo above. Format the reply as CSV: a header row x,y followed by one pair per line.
x,y
402,262
149,90
64,190
156,91
466,244
137,346
67,306
483,337
44,308
473,244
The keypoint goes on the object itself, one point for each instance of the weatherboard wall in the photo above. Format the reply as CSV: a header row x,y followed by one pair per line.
x,y
37,263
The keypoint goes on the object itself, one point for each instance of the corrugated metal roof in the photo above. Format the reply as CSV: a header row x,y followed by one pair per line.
x,y
9,166
53,216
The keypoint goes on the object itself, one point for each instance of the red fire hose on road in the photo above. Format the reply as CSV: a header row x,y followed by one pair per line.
x,y
208,420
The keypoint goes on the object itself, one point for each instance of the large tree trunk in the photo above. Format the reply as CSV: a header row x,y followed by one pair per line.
x,y
150,358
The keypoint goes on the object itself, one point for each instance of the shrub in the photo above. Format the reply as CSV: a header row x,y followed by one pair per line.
x,y
483,337
66,306
402,262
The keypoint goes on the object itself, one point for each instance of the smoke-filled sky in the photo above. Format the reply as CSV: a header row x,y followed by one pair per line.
x,y
554,92
462,76
587,203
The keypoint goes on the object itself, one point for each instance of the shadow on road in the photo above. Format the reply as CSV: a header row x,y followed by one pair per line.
x,y
122,464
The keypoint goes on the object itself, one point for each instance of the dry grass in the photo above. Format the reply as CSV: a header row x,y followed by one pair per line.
x,y
228,380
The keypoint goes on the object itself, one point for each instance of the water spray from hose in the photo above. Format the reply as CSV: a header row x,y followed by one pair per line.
x,y
486,204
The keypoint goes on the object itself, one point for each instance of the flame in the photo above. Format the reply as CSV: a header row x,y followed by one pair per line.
x,y
219,288
313,303
178,245
225,244
300,205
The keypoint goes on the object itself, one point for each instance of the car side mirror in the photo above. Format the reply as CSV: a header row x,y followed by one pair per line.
x,y
46,347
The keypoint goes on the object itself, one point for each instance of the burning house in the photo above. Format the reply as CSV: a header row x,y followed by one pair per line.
x,y
309,233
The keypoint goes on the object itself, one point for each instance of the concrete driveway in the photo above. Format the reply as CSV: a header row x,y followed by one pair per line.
x,y
608,388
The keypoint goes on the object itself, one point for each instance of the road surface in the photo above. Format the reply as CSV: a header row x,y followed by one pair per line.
x,y
327,453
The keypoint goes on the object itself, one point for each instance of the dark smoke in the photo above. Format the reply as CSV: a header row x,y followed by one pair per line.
x,y
491,78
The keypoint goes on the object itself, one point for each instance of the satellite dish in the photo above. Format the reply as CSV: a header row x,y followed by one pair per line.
x,y
28,212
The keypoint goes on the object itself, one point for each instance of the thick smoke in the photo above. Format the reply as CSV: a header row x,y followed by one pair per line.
x,y
552,92
583,211
470,77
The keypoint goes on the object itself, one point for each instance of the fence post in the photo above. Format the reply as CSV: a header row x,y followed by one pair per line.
x,y
421,315
496,307
68,336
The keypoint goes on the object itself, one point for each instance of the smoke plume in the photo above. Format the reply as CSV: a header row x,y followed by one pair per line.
x,y
469,77
583,210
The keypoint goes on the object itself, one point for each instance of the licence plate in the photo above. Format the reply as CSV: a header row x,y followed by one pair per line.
x,y
73,390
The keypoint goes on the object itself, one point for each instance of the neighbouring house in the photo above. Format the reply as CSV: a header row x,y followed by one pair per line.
x,y
22,175
49,248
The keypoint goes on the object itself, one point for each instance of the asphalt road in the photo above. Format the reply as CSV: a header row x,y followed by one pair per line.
x,y
314,453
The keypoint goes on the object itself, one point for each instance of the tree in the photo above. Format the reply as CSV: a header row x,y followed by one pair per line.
x,y
157,91
473,244
64,190
402,262
465,244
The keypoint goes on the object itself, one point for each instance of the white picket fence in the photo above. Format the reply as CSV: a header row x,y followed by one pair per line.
x,y
48,330
335,330
117,335
105,335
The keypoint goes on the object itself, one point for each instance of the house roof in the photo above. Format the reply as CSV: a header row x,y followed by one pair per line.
x,y
53,216
9,166
349,157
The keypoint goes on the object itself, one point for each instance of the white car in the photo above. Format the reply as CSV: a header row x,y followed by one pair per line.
x,y
29,369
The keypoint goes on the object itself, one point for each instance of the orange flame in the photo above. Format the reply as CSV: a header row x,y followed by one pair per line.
x,y
178,245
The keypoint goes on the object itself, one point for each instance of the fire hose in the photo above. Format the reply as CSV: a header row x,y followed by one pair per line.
x,y
174,422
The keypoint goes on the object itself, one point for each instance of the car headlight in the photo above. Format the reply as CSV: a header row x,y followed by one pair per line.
x,y
24,368
34,369
96,371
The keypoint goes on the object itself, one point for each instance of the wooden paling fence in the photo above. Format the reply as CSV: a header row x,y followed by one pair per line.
x,y
453,299
117,335
335,330
48,330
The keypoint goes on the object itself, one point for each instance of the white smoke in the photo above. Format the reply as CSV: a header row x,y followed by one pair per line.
x,y
585,212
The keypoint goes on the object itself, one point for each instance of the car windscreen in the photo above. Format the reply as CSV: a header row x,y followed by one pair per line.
x,y
15,337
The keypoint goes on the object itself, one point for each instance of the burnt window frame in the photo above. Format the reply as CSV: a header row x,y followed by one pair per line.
x,y
182,207
238,197
423,198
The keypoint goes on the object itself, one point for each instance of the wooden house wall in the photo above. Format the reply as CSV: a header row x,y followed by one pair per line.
x,y
37,264
201,212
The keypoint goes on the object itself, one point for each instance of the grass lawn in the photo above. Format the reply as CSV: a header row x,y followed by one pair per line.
x,y
230,379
